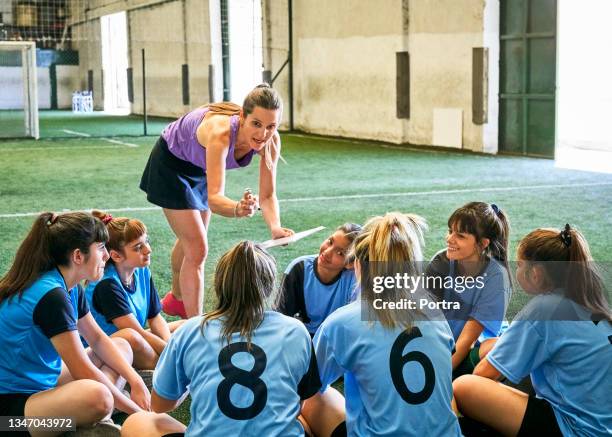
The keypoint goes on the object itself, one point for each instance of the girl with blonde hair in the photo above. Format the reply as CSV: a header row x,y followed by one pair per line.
x,y
396,358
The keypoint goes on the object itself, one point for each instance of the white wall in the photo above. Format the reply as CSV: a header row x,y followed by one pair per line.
x,y
172,33
345,65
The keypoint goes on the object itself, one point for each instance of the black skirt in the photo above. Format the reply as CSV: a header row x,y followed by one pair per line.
x,y
173,183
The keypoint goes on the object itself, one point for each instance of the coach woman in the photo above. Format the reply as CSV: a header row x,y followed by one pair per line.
x,y
185,175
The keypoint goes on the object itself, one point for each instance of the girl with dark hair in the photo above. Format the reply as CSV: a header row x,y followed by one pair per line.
x,y
395,361
126,300
247,368
314,286
185,175
471,276
562,339
44,369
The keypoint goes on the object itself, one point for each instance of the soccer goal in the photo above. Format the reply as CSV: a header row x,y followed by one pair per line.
x,y
19,96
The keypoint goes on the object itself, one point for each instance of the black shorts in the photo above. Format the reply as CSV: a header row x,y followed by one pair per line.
x,y
339,431
13,404
539,419
173,183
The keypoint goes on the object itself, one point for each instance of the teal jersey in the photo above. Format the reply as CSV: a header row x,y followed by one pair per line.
x,y
29,362
237,390
396,382
110,298
569,358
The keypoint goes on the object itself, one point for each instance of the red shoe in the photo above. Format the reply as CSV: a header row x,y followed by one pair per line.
x,y
173,307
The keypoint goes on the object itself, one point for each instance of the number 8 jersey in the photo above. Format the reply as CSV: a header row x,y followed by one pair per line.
x,y
236,389
396,382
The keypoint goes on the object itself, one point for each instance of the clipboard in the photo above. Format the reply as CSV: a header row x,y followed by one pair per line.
x,y
290,239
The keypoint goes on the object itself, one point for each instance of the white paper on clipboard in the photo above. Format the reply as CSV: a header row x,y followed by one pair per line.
x,y
290,239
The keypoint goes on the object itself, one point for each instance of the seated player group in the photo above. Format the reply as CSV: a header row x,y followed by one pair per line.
x,y
80,314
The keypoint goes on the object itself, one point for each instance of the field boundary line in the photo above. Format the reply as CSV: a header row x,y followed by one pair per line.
x,y
359,196
80,134
25,149
110,140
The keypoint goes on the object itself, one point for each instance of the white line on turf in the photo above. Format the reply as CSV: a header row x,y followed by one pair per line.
x,y
110,140
80,134
363,196
119,142
25,149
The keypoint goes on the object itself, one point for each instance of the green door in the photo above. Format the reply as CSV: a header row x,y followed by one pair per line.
x,y
527,77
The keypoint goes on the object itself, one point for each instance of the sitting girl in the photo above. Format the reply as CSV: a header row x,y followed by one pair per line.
x,y
396,362
42,312
473,271
125,300
247,369
314,286
562,339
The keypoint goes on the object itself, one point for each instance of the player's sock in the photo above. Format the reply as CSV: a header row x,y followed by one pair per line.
x,y
173,307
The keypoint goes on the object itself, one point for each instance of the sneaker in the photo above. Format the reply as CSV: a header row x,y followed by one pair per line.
x,y
173,307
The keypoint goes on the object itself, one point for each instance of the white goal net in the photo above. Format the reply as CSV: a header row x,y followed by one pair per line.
x,y
19,99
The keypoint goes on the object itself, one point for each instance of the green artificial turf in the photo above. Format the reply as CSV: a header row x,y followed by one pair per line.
x,y
66,124
325,182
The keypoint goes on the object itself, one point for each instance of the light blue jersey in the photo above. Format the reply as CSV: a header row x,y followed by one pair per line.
x,y
569,358
485,301
395,382
305,295
236,391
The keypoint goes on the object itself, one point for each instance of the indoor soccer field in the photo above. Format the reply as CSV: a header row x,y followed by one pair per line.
x,y
414,106
325,181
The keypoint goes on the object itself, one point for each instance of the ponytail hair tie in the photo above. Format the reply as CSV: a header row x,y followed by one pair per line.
x,y
52,219
566,236
495,208
107,219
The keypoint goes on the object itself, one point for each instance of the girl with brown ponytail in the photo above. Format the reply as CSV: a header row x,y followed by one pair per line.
x,y
562,339
44,369
246,367
185,175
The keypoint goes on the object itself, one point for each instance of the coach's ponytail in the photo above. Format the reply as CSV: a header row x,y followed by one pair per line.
x,y
567,261
50,243
244,281
224,108
389,245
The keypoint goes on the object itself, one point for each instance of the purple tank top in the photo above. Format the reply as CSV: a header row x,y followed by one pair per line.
x,y
180,135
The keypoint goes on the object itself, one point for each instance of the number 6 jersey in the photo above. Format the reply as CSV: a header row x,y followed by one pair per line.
x,y
396,382
236,389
